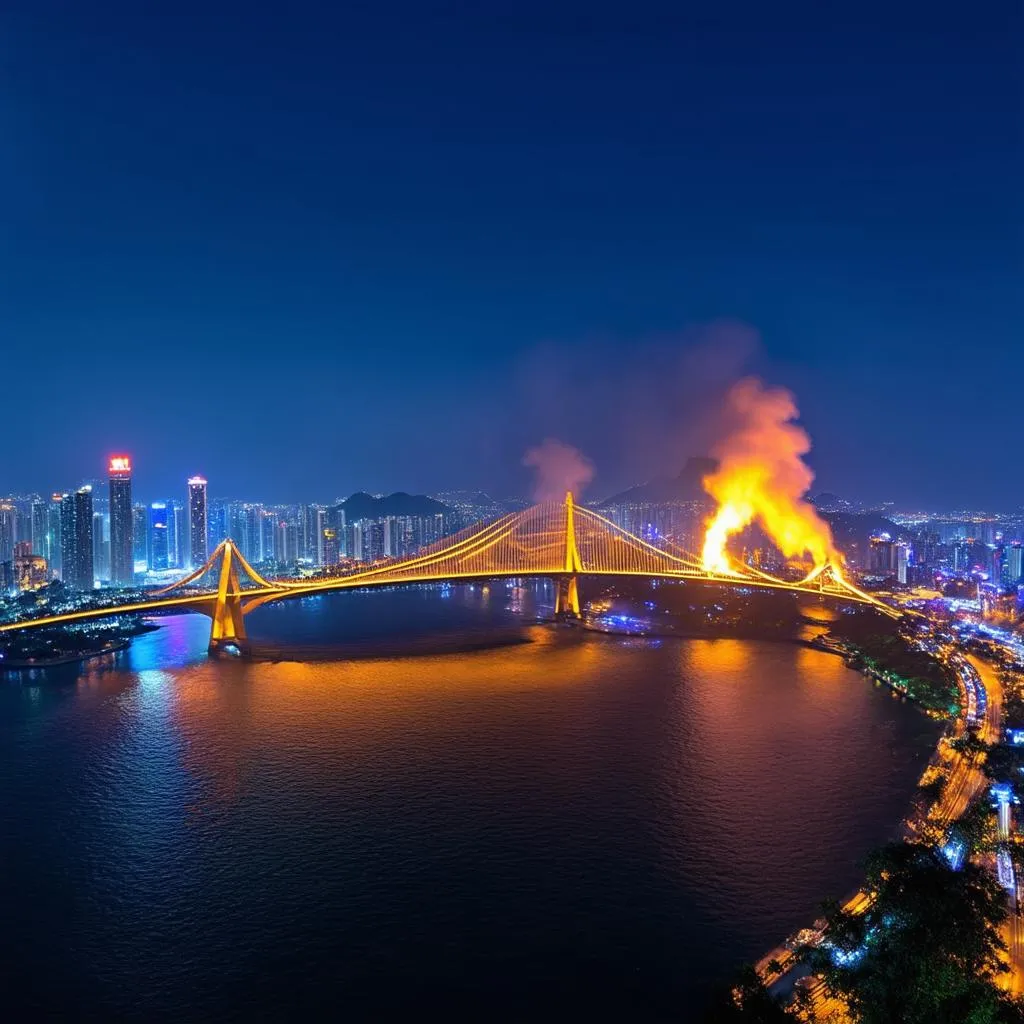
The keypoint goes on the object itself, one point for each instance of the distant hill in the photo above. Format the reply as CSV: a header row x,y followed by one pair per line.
x,y
685,487
365,506
852,531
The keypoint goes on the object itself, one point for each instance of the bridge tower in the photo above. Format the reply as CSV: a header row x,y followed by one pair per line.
x,y
228,628
567,594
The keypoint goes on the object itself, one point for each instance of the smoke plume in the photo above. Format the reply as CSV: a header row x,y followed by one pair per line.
x,y
762,476
560,468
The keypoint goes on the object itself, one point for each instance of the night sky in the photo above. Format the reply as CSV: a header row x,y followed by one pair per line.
x,y
305,249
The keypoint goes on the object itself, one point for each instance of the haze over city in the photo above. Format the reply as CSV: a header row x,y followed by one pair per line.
x,y
512,512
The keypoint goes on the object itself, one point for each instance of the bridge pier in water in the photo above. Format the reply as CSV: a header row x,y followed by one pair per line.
x,y
567,597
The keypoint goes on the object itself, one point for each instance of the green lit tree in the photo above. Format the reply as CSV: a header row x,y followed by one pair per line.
x,y
927,949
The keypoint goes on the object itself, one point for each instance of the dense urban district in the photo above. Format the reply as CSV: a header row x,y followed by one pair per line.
x,y
935,934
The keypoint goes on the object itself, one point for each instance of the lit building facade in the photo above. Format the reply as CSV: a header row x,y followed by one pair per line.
x,y
159,536
76,528
199,549
122,525
8,516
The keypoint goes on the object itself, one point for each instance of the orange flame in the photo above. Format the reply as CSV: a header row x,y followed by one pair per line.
x,y
762,476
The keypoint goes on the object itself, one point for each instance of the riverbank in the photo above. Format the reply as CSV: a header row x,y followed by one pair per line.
x,y
120,643
782,967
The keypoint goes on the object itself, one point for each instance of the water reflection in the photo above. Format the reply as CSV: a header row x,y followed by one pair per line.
x,y
583,811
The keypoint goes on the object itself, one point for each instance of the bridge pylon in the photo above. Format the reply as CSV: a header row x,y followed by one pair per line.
x,y
567,593
228,627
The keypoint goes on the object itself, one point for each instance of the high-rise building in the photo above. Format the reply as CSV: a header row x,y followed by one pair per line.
x,y
199,549
902,558
882,556
286,542
177,525
330,546
122,525
101,546
140,536
53,534
312,522
268,526
76,529
40,528
1014,564
251,540
8,517
216,524
995,566
158,537
334,518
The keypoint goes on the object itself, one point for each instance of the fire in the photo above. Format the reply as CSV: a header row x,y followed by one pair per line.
x,y
762,477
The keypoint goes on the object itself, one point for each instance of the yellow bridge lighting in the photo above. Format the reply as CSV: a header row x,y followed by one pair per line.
x,y
558,540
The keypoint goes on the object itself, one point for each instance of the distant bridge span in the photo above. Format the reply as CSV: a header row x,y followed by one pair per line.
x,y
558,540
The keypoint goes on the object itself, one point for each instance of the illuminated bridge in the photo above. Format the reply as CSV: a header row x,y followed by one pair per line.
x,y
561,541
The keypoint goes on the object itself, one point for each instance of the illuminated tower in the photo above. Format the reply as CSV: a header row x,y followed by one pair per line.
x,y
122,555
40,541
53,533
76,540
198,547
158,536
140,532
1014,564
7,517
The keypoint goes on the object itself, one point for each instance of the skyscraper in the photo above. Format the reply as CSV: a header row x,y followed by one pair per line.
x,y
1014,564
140,535
76,539
995,566
330,547
40,528
53,556
158,536
122,554
216,523
177,525
7,518
100,546
198,548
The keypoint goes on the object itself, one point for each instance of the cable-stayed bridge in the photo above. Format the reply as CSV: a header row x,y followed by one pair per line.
x,y
558,540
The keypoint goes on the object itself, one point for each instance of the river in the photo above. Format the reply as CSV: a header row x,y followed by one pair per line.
x,y
421,798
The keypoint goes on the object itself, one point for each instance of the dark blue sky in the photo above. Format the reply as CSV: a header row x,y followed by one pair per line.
x,y
308,248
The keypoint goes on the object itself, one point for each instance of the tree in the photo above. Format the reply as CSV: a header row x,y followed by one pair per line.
x,y
927,950
747,1001
932,790
977,827
969,746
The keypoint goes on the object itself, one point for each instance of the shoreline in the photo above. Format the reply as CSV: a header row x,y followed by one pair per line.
x,y
24,666
115,647
785,956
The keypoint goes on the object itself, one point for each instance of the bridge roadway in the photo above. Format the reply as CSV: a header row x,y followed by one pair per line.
x,y
282,591
554,540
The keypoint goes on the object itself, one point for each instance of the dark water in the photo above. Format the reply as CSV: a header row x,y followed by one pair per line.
x,y
575,826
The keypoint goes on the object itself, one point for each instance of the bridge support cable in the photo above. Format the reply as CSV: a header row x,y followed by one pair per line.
x,y
557,540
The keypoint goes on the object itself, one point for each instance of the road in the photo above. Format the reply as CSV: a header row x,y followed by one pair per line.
x,y
965,781
965,784
1013,931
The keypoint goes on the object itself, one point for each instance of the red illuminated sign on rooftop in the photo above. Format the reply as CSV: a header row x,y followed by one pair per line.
x,y
120,464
